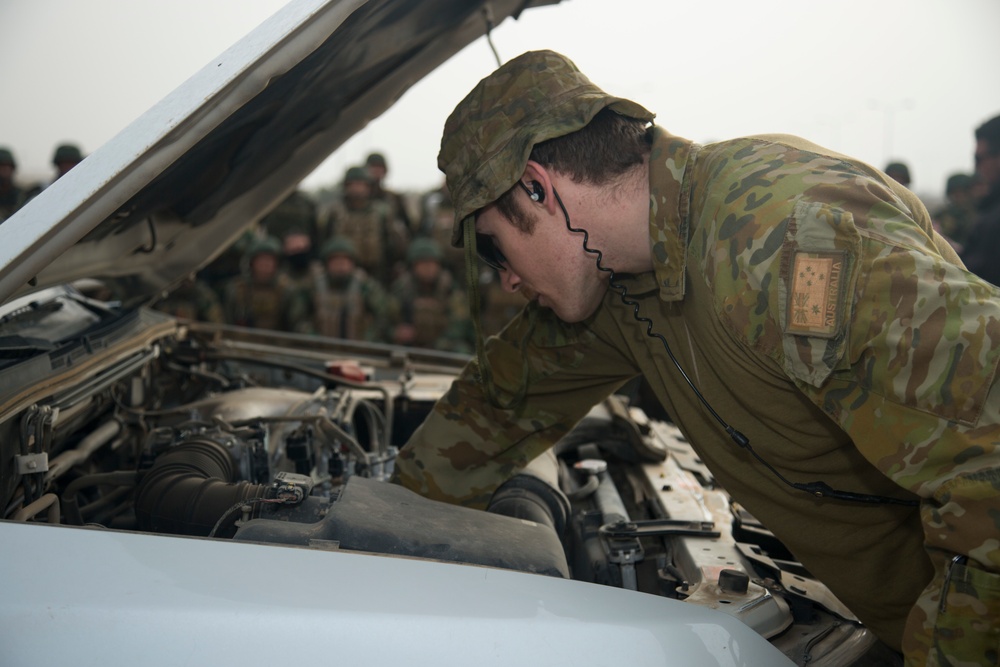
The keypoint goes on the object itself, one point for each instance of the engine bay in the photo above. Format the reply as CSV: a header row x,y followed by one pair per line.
x,y
233,434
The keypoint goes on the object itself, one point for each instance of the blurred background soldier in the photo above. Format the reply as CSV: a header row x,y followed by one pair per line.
x,y
261,296
427,308
300,263
499,306
297,212
379,239
192,300
346,301
437,215
378,168
898,172
983,246
12,196
227,266
65,158
955,219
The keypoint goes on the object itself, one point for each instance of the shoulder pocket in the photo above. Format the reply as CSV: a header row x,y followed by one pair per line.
x,y
817,281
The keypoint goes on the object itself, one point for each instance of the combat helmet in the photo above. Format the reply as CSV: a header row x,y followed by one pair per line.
x,y
357,174
422,248
6,157
338,245
67,153
265,245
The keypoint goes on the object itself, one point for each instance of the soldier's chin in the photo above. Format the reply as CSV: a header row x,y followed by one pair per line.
x,y
579,314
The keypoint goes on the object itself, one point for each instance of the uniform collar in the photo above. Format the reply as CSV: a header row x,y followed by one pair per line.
x,y
669,196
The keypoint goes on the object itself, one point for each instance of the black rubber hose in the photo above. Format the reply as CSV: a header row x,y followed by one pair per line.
x,y
189,488
71,510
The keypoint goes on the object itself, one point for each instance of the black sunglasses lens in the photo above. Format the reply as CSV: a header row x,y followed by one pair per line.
x,y
489,253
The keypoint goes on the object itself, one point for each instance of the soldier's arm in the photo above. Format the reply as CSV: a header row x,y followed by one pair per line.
x,y
918,394
468,446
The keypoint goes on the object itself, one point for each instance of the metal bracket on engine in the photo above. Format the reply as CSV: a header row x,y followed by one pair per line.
x,y
657,528
28,464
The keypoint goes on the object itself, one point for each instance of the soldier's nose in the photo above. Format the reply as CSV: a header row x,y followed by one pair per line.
x,y
510,281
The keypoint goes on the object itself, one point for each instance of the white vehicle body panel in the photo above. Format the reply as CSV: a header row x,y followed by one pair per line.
x,y
139,599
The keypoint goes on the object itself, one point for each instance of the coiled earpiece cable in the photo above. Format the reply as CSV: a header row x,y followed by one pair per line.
x,y
818,489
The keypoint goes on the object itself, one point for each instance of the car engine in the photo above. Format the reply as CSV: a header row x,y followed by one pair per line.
x,y
173,428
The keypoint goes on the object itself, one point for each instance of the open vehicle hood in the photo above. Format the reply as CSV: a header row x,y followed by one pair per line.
x,y
229,486
176,187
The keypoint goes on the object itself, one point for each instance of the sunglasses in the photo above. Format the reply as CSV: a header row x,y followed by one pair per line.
x,y
489,253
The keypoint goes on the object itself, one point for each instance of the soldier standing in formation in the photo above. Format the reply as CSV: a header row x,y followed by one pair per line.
x,y
954,221
378,169
345,301
379,239
428,309
12,196
193,299
261,296
983,247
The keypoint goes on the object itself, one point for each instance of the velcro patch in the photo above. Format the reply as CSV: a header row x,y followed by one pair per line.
x,y
814,303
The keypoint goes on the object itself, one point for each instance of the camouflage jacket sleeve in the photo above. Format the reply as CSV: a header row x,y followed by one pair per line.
x,y
918,394
874,318
467,446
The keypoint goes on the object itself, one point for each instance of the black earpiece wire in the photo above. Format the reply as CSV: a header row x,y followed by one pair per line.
x,y
818,489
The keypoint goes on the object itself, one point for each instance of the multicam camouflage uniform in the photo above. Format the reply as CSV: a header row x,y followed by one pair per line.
x,y
808,298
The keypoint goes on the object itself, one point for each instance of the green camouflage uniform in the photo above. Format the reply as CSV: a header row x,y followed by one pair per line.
x,y
250,302
193,300
438,312
498,305
352,306
379,238
437,221
12,196
808,298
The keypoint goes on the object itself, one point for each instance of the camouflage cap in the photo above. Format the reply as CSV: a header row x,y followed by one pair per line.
x,y
539,95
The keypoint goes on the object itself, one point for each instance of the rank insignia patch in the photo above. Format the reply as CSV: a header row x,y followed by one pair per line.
x,y
814,301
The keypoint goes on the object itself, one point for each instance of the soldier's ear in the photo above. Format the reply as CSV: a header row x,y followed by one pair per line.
x,y
537,182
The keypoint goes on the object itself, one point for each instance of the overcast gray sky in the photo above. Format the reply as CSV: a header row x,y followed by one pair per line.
x,y
877,79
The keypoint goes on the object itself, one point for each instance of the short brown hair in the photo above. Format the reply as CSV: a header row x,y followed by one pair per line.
x,y
606,148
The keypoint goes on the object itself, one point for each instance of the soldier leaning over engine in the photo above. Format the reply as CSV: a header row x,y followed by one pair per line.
x,y
803,292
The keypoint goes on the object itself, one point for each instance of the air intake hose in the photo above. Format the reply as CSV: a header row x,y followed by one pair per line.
x,y
190,488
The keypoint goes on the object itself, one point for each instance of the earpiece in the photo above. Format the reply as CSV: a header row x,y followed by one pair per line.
x,y
536,194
